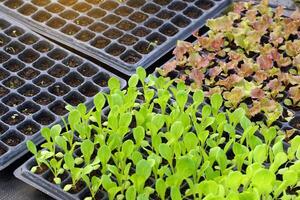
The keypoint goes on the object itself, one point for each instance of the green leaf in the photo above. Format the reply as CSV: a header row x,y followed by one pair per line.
x,y
198,97
87,149
260,153
99,101
133,81
190,141
139,134
216,101
113,84
62,143
143,169
141,72
263,180
130,193
185,167
127,148
177,129
166,152
160,187
68,187
31,147
104,154
55,131
206,111
234,180
175,193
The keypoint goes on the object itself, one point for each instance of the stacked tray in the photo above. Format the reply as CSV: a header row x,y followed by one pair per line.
x,y
124,35
37,80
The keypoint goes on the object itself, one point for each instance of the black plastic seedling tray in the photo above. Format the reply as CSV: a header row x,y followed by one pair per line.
x,y
37,80
123,35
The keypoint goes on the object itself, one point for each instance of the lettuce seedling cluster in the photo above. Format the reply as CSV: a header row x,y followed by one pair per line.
x,y
156,141
250,56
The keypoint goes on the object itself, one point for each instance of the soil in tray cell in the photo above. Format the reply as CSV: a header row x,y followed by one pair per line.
x,y
88,89
151,8
27,9
43,46
13,100
82,7
13,65
56,23
124,11
69,15
83,21
28,128
13,139
59,89
100,42
138,17
204,4
3,129
14,32
144,47
131,57
43,63
136,3
57,54
44,98
14,48
41,16
28,73
98,27
128,40
13,82
3,150
44,118
153,23
181,21
74,99
28,39
12,118
96,13
85,36
193,12
295,122
72,61
165,14
109,5
4,57
58,108
115,49
29,90
177,6
14,3
28,108
3,92
4,40
58,71
54,8
41,2
162,2
168,30
87,70
126,25
141,32
73,79
44,81
70,29
101,79
3,74
29,56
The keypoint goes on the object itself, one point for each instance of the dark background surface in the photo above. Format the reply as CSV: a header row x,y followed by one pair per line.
x,y
14,189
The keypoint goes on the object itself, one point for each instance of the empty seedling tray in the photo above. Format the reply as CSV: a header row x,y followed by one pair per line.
x,y
123,35
37,80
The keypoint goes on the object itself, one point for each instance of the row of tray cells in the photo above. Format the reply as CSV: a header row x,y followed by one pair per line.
x,y
120,46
